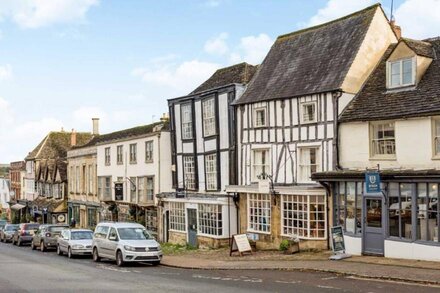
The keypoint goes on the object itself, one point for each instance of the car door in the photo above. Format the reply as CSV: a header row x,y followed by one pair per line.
x,y
112,243
63,241
37,236
101,240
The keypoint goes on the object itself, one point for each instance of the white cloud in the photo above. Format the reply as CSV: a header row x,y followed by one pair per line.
x,y
217,45
39,13
419,18
212,3
5,72
252,49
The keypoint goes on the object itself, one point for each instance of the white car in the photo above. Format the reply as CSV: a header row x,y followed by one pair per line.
x,y
125,242
75,242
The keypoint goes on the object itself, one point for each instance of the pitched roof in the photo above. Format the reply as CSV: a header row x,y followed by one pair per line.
x,y
375,102
56,144
238,73
309,61
422,48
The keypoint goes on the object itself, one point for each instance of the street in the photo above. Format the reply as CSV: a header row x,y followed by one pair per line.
x,y
24,270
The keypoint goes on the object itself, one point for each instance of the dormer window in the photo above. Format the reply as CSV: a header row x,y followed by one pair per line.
x,y
260,117
401,72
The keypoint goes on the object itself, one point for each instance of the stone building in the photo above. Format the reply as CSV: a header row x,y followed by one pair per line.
x,y
18,202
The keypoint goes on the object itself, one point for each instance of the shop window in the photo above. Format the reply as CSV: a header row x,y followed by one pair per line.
x,y
400,210
151,220
259,211
427,212
177,216
348,206
91,217
210,219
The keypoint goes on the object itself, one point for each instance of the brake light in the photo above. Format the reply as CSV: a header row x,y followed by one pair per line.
x,y
48,234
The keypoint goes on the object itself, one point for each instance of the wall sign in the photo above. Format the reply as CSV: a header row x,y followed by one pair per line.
x,y
372,182
241,244
119,191
337,239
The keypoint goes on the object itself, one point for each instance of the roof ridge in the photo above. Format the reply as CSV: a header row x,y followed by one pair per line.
x,y
327,23
44,143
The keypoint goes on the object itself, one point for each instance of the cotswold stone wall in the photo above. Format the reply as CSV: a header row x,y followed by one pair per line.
x,y
177,238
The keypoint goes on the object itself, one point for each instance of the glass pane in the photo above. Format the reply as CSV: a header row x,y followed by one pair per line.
x,y
422,212
341,204
359,186
374,213
407,71
351,196
395,74
405,209
432,233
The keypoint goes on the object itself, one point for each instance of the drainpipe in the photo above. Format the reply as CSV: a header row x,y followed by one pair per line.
x,y
335,97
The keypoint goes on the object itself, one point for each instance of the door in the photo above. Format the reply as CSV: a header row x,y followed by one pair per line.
x,y
373,226
192,227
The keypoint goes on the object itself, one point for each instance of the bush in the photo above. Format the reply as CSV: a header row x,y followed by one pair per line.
x,y
284,245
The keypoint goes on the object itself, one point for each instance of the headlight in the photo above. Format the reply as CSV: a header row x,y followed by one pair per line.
x,y
129,248
77,246
159,247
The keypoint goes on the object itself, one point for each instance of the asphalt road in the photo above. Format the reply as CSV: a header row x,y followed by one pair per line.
x,y
24,270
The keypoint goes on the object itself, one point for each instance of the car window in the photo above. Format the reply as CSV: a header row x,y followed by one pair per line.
x,y
133,234
56,229
112,233
81,235
101,231
31,227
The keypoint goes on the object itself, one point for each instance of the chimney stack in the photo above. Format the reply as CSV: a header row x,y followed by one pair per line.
x,y
73,138
95,122
164,117
397,29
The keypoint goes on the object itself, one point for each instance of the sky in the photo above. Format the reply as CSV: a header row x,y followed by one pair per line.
x,y
63,62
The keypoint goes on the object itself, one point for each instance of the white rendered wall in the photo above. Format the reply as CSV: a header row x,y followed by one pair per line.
x,y
353,245
405,250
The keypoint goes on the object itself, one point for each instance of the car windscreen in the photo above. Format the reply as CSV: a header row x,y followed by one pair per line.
x,y
57,229
31,227
133,234
81,235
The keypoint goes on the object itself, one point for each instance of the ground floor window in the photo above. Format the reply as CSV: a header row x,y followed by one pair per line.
x,y
151,220
91,217
259,211
177,216
210,219
348,206
304,216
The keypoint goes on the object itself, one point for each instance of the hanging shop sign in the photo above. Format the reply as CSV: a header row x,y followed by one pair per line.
x,y
372,182
119,191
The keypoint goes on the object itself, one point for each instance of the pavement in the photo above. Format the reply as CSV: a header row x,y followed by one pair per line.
x,y
369,267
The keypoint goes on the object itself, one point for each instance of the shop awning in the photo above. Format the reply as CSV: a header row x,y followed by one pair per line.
x,y
17,206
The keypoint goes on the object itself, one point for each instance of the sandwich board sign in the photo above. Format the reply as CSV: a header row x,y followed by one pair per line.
x,y
241,244
338,244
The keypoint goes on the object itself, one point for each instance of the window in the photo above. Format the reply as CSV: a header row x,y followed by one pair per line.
x,y
383,141
149,151
187,127
436,135
142,196
259,212
72,180
151,220
104,188
150,188
308,112
189,173
132,184
401,73
133,151
428,212
211,171
209,117
261,163
348,206
119,154
304,216
260,117
400,210
91,176
83,179
210,219
309,163
78,178
177,216
107,156
91,217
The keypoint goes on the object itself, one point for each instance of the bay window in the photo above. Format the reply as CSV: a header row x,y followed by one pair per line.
x,y
259,212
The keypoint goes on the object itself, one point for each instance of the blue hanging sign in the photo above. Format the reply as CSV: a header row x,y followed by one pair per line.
x,y
372,182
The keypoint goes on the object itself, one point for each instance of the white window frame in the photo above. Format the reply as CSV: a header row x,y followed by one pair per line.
x,y
209,123
186,121
400,62
211,172
210,220
189,172
264,166
376,143
299,216
260,204
149,188
435,138
120,154
133,153
304,117
177,216
142,194
305,166
107,157
149,151
257,121
90,185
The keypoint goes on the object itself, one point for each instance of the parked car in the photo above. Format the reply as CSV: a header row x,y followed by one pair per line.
x,y
125,242
7,232
3,224
75,242
24,233
46,236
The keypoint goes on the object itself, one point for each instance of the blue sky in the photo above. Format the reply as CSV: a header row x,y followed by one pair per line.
x,y
64,61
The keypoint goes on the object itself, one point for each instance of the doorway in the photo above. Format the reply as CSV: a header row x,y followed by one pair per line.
x,y
373,226
192,227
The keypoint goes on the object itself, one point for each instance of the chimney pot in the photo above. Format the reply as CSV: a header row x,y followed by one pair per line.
x,y
95,122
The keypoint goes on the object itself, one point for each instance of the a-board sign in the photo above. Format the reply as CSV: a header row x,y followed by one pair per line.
x,y
119,191
337,239
241,244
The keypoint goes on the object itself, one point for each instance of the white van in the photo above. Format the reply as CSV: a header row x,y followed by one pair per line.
x,y
125,242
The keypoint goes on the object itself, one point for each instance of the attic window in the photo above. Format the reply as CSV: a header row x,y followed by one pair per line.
x,y
260,117
401,73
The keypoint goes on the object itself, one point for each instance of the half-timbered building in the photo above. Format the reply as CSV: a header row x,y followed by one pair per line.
x,y
286,125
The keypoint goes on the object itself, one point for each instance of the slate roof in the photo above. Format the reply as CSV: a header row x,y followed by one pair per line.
x,y
422,48
56,144
238,73
375,102
308,61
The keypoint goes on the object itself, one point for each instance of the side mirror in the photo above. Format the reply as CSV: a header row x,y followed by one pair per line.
x,y
113,238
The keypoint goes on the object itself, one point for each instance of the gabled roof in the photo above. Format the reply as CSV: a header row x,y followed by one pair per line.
x,y
238,73
56,144
375,102
421,48
312,60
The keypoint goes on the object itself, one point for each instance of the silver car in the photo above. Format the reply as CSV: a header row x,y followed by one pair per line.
x,y
75,242
8,232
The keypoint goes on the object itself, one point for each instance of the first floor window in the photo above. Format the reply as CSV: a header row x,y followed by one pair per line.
x,y
309,163
308,112
304,216
142,196
104,187
211,171
436,137
149,151
151,220
133,188
177,216
210,219
260,117
91,176
260,164
150,188
189,172
119,154
106,156
133,153
383,142
259,211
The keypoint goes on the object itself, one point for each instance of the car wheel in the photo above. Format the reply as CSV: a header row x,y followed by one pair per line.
x,y
155,263
96,257
59,252
42,247
33,245
69,253
119,259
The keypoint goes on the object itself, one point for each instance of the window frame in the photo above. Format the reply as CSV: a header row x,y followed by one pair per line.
x,y
212,174
435,138
147,189
149,158
177,216
302,165
390,63
210,220
212,119
193,185
267,164
256,120
302,112
373,127
187,125
262,202
107,156
133,153
120,154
